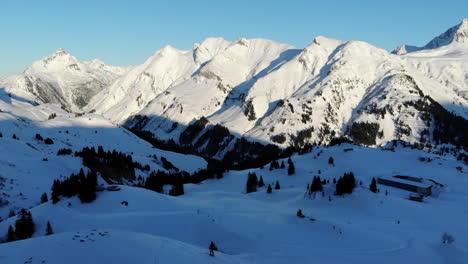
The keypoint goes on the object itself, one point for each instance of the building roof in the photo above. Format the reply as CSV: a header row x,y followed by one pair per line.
x,y
414,183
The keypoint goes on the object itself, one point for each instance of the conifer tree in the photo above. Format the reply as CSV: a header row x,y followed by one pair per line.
x,y
56,191
331,161
291,169
269,190
373,186
282,165
252,182
277,185
345,184
316,185
260,182
24,226
49,230
44,198
300,214
11,213
177,189
11,234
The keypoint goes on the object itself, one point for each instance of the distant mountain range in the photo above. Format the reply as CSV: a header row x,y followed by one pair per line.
x,y
271,92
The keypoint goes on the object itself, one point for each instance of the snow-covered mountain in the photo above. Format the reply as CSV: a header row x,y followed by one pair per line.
x,y
271,92
274,93
61,78
454,35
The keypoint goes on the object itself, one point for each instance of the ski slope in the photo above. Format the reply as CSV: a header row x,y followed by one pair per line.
x,y
263,228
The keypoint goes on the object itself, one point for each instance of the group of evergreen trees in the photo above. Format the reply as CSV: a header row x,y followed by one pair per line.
x,y
82,185
114,166
345,184
316,185
64,151
156,180
205,140
276,165
253,182
24,227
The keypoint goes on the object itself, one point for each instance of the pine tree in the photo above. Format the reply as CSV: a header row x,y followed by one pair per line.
x,y
331,161
92,178
44,198
260,182
269,190
282,165
11,234
373,186
11,213
56,191
345,184
277,185
24,226
300,214
252,182
277,165
316,185
291,169
49,230
177,189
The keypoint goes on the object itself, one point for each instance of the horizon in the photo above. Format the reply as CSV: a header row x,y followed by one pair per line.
x,y
102,30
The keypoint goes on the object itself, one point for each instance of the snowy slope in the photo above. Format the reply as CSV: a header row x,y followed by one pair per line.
x,y
61,78
263,228
99,246
166,68
24,176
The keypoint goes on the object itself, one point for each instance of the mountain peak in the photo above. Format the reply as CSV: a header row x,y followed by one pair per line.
x,y
59,60
457,34
60,52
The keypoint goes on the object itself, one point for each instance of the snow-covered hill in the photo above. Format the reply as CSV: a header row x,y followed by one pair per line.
x,y
61,78
28,165
258,227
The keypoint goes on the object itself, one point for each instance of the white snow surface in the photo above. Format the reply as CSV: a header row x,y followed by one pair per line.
x,y
263,228
24,175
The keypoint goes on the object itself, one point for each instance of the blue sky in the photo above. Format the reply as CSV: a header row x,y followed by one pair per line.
x,y
127,32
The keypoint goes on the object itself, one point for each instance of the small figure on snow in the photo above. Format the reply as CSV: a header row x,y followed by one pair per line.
x,y
212,248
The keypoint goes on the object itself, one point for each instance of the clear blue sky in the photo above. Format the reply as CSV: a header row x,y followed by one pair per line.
x,y
127,32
